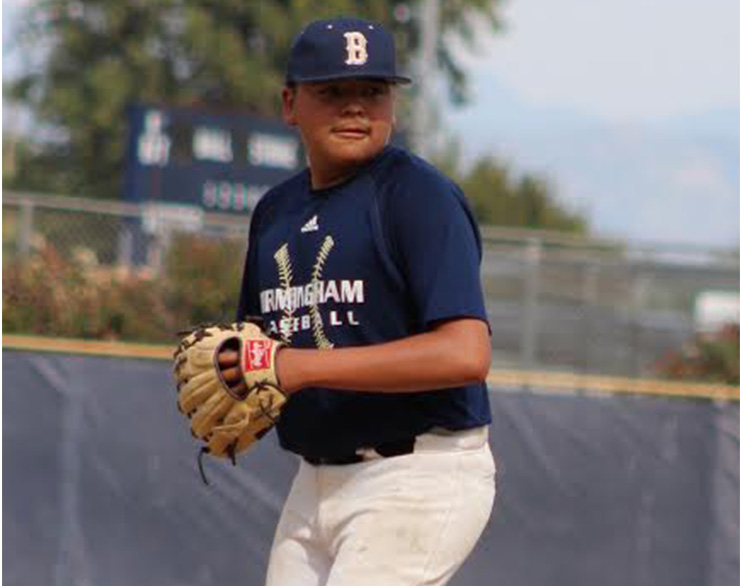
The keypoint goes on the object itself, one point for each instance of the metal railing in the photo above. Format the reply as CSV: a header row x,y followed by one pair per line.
x,y
555,301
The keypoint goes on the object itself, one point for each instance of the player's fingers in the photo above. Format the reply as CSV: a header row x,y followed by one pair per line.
x,y
228,358
232,376
239,390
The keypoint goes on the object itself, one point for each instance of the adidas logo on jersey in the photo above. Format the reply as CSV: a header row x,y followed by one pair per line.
x,y
311,226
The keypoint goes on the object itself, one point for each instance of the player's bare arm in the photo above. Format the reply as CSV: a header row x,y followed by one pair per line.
x,y
453,353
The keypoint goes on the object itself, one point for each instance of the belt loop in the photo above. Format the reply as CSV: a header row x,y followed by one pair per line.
x,y
368,454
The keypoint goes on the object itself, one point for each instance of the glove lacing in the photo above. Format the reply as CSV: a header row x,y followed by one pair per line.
x,y
264,406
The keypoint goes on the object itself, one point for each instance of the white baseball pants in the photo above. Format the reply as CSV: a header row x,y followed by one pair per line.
x,y
402,521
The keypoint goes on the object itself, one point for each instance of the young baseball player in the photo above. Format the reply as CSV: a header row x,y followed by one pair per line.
x,y
366,265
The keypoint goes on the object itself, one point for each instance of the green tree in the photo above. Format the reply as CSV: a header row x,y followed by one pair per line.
x,y
498,197
98,56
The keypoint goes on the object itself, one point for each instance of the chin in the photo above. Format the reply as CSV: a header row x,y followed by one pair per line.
x,y
355,153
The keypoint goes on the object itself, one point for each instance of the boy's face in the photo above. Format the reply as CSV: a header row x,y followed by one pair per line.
x,y
343,123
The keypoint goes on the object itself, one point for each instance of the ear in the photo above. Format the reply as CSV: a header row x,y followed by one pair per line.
x,y
289,95
394,105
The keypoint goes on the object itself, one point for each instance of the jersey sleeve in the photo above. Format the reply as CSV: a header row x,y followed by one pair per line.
x,y
249,295
436,243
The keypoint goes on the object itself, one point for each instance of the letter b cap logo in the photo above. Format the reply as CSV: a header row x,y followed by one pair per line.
x,y
356,48
343,48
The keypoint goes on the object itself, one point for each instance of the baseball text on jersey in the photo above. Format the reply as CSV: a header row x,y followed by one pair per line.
x,y
313,293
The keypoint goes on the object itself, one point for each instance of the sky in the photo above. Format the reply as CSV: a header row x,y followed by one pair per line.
x,y
629,108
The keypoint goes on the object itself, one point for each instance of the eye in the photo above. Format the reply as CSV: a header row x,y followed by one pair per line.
x,y
375,91
330,91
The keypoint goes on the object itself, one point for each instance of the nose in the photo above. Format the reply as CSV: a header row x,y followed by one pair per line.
x,y
353,104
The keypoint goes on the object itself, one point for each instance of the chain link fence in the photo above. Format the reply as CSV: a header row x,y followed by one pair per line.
x,y
595,308
555,302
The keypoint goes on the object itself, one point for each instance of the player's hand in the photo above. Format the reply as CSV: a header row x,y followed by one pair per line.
x,y
227,386
229,365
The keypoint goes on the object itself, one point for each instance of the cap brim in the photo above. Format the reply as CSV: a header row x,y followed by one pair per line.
x,y
397,79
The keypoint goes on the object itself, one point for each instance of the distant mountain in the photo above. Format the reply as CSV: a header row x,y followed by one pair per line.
x,y
672,179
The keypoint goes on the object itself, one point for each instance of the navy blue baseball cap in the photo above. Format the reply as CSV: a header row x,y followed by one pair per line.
x,y
342,48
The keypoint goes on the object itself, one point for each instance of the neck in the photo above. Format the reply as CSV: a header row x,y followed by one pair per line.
x,y
324,178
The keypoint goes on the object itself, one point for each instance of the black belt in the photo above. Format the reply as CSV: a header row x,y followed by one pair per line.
x,y
387,450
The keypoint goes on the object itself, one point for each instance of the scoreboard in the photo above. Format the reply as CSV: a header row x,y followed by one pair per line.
x,y
188,157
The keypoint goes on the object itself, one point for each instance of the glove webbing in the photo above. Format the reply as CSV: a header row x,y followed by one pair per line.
x,y
231,448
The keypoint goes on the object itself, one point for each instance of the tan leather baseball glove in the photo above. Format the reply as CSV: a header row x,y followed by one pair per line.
x,y
228,416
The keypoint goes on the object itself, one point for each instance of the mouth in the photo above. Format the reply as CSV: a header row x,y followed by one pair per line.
x,y
354,132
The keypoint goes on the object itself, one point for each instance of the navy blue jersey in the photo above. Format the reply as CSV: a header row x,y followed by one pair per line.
x,y
379,257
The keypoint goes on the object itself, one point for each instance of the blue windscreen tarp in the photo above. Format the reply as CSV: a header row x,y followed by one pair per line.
x,y
101,486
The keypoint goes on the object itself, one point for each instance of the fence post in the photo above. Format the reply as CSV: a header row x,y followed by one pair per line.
x,y
125,247
638,303
532,258
589,298
25,228
157,255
